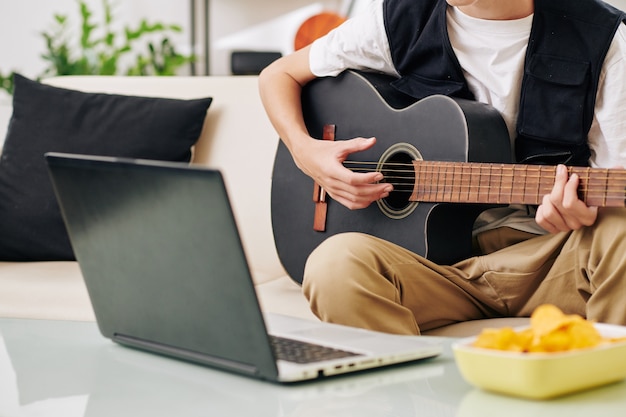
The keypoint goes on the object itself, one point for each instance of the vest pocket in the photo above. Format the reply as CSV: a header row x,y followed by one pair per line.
x,y
553,100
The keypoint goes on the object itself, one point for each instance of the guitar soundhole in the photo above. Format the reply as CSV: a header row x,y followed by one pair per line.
x,y
396,164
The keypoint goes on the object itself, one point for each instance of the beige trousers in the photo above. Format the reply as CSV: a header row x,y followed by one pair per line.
x,y
360,280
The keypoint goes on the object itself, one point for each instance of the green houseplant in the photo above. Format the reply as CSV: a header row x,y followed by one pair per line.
x,y
6,82
100,49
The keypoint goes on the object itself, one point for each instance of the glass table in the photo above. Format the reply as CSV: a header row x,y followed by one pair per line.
x,y
65,368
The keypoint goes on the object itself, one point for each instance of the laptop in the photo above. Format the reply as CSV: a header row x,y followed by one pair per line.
x,y
166,272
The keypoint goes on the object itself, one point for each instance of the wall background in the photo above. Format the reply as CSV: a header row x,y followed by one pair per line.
x,y
22,21
234,24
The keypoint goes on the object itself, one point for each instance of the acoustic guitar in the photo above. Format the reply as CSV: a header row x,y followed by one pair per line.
x,y
448,159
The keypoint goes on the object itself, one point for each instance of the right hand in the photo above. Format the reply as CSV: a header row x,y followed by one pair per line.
x,y
280,86
323,162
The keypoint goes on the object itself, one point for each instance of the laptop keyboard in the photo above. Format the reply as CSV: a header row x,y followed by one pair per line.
x,y
302,352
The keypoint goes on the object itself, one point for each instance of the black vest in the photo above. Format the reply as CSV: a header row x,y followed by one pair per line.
x,y
568,42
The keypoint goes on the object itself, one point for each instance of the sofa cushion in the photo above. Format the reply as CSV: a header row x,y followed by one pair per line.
x,y
47,118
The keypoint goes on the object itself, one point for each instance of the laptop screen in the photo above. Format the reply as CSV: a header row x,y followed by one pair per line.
x,y
162,259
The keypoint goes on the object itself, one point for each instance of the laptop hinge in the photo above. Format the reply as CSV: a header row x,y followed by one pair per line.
x,y
185,354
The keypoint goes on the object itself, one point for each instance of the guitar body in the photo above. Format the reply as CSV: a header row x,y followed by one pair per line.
x,y
436,128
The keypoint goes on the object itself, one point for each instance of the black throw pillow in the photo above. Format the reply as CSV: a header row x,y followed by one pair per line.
x,y
52,119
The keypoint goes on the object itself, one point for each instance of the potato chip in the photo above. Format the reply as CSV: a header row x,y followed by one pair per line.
x,y
545,319
501,339
550,331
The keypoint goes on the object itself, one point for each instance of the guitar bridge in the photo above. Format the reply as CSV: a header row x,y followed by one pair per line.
x,y
319,194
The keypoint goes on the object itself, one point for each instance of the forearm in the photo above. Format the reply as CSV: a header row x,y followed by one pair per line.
x,y
280,87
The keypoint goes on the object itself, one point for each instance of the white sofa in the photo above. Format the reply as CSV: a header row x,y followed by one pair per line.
x,y
239,140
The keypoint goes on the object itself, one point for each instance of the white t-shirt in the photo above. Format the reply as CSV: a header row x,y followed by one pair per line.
x,y
491,54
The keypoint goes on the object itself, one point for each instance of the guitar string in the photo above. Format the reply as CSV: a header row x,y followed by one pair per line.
x,y
617,175
484,172
484,166
410,168
544,187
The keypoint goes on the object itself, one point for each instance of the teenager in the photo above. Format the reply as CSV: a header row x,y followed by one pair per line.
x,y
555,69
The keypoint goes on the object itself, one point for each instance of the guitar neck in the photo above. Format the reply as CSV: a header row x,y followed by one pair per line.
x,y
468,182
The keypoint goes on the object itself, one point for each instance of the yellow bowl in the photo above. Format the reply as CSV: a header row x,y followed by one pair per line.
x,y
543,375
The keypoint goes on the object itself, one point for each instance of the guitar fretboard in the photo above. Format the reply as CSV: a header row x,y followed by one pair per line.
x,y
468,182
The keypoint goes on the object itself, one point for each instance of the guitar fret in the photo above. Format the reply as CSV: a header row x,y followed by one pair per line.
x,y
451,185
438,190
596,189
466,173
454,192
495,184
428,176
501,174
458,179
447,183
606,186
481,184
419,184
490,188
428,185
506,185
532,183
585,184
501,184
472,191
547,175
519,183
441,180
616,186
445,191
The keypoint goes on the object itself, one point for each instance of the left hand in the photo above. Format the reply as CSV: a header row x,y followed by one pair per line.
x,y
562,210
